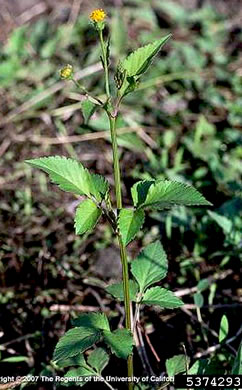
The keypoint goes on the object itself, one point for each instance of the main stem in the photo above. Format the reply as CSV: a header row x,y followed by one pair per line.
x,y
123,253
117,181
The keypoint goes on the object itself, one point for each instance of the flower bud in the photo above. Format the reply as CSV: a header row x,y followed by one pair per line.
x,y
66,73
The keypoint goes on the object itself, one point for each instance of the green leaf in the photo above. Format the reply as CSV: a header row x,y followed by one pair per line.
x,y
87,216
224,328
78,373
224,222
99,186
161,297
69,174
130,222
15,359
194,369
198,299
132,67
176,365
203,285
77,360
75,341
163,194
138,61
96,321
237,366
116,290
98,359
120,341
88,109
132,142
139,191
150,266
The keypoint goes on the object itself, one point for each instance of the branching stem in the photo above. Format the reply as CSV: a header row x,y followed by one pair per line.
x,y
85,92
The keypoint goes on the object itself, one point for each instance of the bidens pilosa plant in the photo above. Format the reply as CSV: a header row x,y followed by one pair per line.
x,y
150,267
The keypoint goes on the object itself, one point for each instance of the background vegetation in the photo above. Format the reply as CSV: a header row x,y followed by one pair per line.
x,y
183,123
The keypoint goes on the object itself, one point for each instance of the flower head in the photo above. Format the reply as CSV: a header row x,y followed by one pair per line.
x,y
98,15
66,73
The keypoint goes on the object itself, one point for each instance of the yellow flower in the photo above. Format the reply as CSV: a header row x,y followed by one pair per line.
x,y
98,15
66,72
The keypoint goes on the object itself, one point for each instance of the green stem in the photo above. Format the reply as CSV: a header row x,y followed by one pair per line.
x,y
117,180
85,92
123,253
105,63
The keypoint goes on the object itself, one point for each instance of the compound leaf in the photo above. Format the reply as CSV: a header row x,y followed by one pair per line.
x,y
120,341
150,266
98,359
117,291
75,341
161,297
130,222
87,216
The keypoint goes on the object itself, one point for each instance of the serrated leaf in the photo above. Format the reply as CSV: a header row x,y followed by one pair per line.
x,y
150,266
130,222
237,366
163,194
161,297
176,365
69,174
138,61
116,290
224,328
75,341
77,360
88,109
99,186
78,373
96,321
87,216
139,191
98,359
120,341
